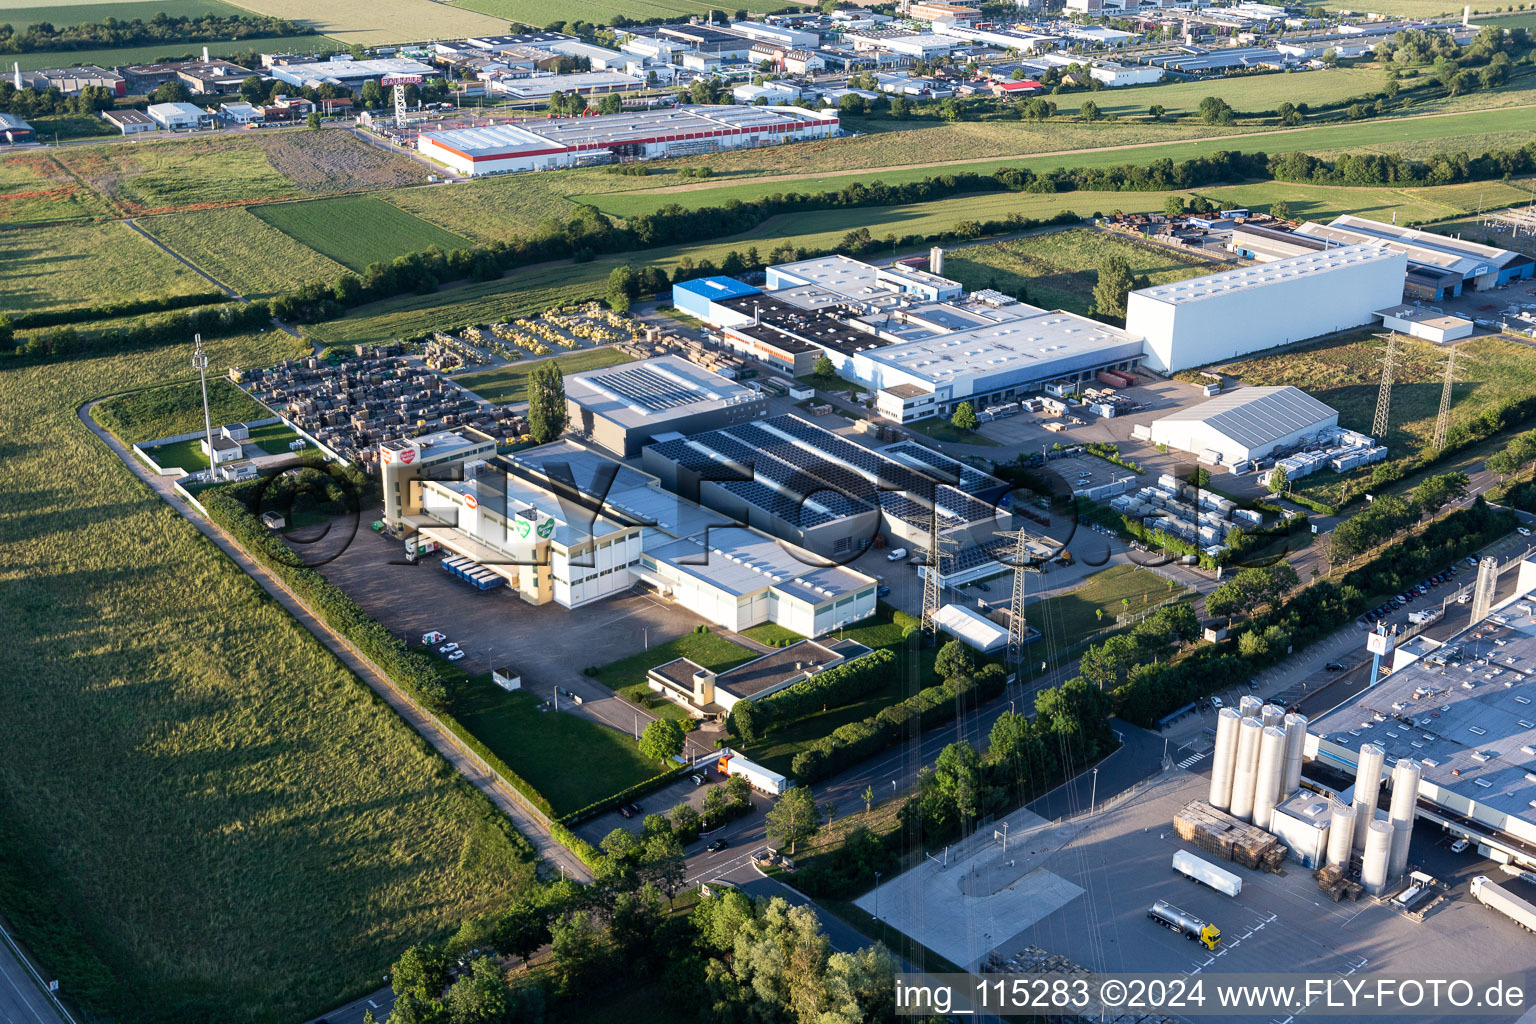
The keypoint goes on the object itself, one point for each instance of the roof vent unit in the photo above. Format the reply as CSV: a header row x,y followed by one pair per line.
x,y
1484,783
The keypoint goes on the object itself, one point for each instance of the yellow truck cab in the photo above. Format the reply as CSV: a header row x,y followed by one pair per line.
x,y
1210,935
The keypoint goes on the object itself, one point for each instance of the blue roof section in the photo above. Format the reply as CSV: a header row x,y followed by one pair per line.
x,y
716,288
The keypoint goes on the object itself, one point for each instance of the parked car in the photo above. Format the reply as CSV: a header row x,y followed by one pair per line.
x,y
456,655
1334,666
1459,846
624,810
982,586
698,780
896,555
717,846
448,648
1216,703
634,808
1522,531
882,591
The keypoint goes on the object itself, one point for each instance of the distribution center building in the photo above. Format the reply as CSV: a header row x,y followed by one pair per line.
x,y
638,135
1221,316
623,408
1245,424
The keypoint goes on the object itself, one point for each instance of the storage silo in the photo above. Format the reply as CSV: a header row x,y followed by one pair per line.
x,y
1270,776
1224,758
1295,749
1367,789
1245,768
1249,707
1405,798
1341,832
1272,715
1373,865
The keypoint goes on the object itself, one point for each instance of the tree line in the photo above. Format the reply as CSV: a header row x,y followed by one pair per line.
x,y
42,36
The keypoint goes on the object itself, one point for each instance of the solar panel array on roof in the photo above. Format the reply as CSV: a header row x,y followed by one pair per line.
x,y
646,388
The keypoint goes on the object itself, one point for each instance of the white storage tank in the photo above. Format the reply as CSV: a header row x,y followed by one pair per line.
x,y
1270,776
1367,789
1245,769
1249,707
1295,750
1341,832
1373,865
1224,758
1405,798
1272,715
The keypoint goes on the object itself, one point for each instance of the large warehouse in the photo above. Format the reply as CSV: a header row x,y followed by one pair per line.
x,y
637,135
622,408
1220,316
1439,266
1245,424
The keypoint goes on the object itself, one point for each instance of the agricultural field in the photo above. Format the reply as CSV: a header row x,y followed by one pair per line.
x,y
357,230
71,265
1345,374
91,12
35,189
242,250
538,13
159,177
1058,270
509,384
489,209
117,55
558,754
1397,8
939,138
1247,94
337,161
175,409
1408,205
372,22
217,757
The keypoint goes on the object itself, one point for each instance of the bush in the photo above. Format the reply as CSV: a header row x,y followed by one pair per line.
x,y
838,685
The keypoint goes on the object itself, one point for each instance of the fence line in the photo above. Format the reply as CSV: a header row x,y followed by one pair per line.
x,y
47,990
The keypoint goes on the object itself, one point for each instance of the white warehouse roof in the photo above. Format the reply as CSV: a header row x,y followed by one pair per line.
x,y
1311,264
1254,417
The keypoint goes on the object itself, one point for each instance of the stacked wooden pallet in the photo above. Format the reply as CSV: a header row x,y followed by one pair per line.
x,y
1221,834
1332,880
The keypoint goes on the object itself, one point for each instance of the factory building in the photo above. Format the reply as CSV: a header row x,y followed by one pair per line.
x,y
638,135
1457,730
623,408
1246,424
702,298
1220,316
821,492
349,73
1439,266
709,694
1428,324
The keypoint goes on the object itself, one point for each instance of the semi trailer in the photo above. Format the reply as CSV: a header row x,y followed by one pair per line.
x,y
1495,897
1206,873
1188,925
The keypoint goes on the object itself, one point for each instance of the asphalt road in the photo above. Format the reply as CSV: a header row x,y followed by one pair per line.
x,y
22,1000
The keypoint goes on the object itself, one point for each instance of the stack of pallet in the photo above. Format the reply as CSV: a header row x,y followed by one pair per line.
x,y
1331,880
1228,838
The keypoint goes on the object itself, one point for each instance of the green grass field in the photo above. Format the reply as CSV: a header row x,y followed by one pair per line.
x,y
1333,137
119,55
571,760
1072,617
627,675
1408,205
176,409
242,250
357,230
1058,270
510,383
1247,94
87,264
90,12
34,188
162,176
203,815
538,13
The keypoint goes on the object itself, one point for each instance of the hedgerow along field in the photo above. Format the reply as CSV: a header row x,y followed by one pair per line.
x,y
357,230
538,13
119,55
240,249
72,265
203,815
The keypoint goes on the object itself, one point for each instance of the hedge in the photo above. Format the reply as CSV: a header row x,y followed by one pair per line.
x,y
838,685
111,310
624,796
209,321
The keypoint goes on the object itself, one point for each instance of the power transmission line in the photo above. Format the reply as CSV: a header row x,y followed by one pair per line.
x,y
1384,396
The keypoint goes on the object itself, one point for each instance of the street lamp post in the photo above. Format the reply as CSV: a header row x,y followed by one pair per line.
x,y
1093,800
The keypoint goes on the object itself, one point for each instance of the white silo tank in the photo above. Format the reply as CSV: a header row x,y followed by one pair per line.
x,y
1373,865
1245,769
1295,749
1271,773
1405,797
1367,789
1341,832
1224,758
1272,715
1249,707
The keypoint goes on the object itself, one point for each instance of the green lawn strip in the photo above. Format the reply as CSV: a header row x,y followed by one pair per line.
x,y
176,409
357,230
626,676
508,384
1070,618
273,438
569,759
772,634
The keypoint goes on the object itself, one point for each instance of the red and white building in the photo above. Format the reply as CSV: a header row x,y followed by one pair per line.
x,y
637,135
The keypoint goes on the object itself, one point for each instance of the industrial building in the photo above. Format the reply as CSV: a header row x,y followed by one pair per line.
x,y
71,81
1439,266
702,298
350,73
179,116
130,122
14,130
818,491
623,408
1221,316
561,523
540,88
638,135
1245,425
1462,725
709,694
1429,324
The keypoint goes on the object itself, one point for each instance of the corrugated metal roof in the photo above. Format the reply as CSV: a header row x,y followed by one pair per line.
x,y
1258,416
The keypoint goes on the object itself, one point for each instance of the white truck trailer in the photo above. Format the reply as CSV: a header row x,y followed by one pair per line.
x,y
1206,873
1495,897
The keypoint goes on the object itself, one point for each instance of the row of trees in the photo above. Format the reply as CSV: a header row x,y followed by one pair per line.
x,y
839,685
29,102
1390,514
162,28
